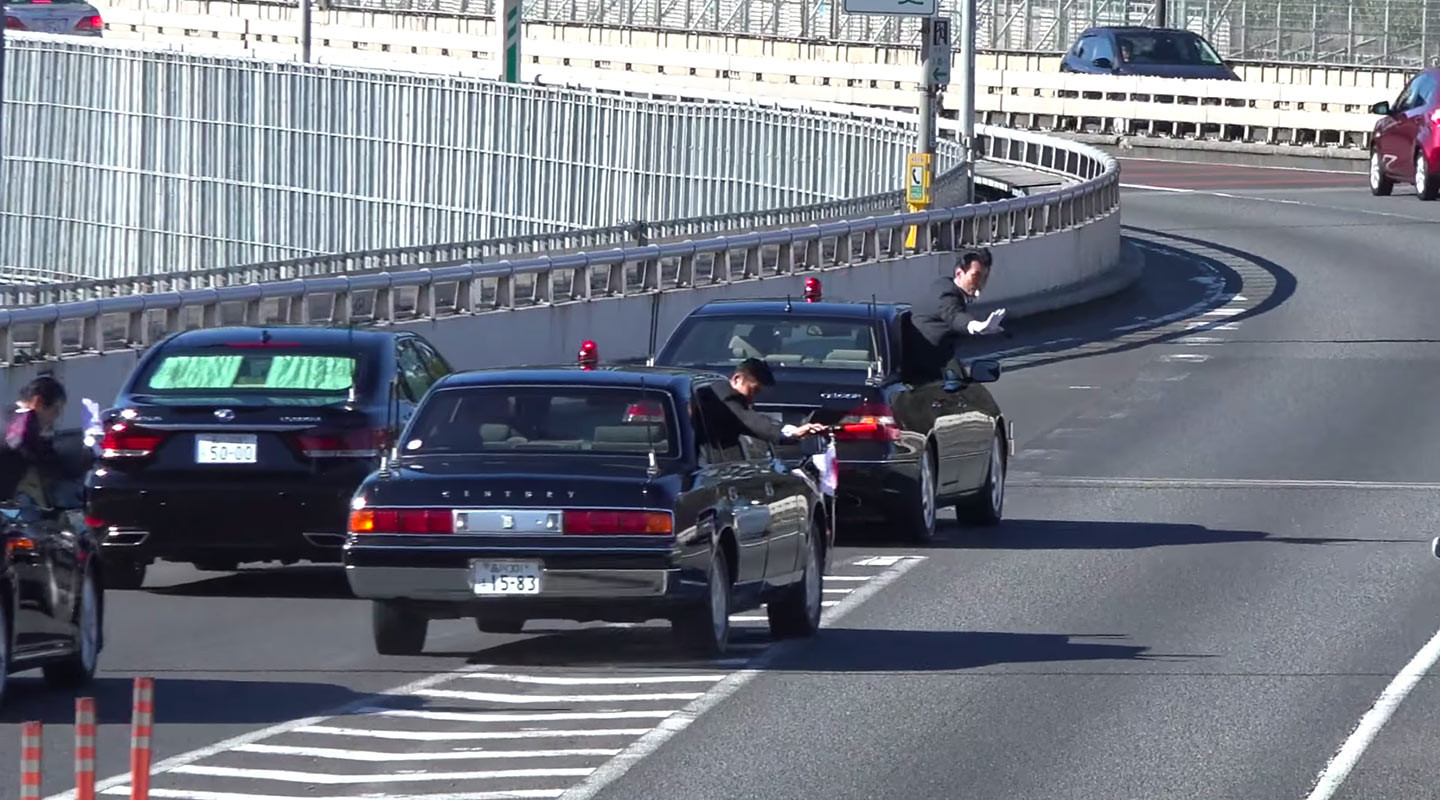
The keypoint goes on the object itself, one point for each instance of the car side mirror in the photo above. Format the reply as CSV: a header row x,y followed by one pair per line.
x,y
1382,108
985,371
1103,63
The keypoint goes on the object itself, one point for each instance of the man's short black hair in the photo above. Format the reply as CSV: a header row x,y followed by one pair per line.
x,y
756,370
982,255
49,390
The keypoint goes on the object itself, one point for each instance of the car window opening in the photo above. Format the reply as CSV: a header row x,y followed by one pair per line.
x,y
313,374
789,341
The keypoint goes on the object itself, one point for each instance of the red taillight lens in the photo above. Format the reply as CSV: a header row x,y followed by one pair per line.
x,y
402,520
644,412
616,523
343,444
94,522
123,440
90,23
13,24
870,422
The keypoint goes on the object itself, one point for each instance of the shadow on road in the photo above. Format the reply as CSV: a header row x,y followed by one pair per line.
x,y
302,583
184,700
1046,534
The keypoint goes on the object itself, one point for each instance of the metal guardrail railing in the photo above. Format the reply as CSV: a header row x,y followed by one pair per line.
x,y
64,330
1392,33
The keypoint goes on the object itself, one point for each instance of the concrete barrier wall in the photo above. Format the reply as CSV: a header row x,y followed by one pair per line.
x,y
1030,276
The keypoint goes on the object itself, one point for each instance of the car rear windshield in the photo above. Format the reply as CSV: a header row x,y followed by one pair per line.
x,y
262,372
788,341
583,419
1168,48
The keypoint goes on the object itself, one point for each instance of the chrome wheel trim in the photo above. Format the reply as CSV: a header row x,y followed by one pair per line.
x,y
927,490
997,477
88,636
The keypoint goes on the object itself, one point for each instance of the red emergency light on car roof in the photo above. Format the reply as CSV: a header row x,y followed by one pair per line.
x,y
812,290
645,411
589,355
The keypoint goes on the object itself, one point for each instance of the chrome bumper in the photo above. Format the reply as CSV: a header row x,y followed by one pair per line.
x,y
450,583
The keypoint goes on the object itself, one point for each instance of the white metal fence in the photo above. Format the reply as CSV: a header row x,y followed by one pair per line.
x,y
131,160
65,330
1399,33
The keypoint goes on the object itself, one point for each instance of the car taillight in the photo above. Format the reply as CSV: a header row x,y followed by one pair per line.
x,y
90,23
402,520
343,444
870,422
124,440
600,522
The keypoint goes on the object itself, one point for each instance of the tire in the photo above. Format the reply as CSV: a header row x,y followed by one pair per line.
x,y
123,572
79,668
1426,185
1380,185
798,614
398,629
987,506
499,624
923,507
705,630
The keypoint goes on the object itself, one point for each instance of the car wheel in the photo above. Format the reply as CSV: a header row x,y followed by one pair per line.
x,y
498,624
1380,185
399,630
705,630
923,504
122,572
798,614
987,505
1426,185
79,668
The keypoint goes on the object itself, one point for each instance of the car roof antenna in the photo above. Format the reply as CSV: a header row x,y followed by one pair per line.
x,y
787,303
392,403
872,371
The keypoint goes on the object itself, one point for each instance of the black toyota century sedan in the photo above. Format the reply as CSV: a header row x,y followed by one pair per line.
x,y
52,595
245,444
907,447
585,494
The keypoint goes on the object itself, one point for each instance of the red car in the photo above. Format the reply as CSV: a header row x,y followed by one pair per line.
x,y
1406,142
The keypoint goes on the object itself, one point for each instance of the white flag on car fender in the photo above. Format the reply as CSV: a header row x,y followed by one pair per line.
x,y
94,432
829,467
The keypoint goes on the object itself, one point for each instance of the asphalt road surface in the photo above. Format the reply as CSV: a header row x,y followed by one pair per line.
x,y
1215,560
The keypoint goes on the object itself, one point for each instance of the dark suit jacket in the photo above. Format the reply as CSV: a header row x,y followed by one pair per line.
x,y
728,415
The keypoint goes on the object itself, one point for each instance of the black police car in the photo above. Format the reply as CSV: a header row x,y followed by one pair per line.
x,y
245,444
907,447
584,493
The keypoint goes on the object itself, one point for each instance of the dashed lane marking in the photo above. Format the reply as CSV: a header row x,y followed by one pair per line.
x,y
531,732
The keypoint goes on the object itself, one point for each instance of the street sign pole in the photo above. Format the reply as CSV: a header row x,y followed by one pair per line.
x,y
966,110
507,24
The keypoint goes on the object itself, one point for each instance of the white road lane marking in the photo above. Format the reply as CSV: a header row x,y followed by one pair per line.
x,y
598,680
448,755
497,697
613,769
188,794
879,561
468,736
1192,357
1153,188
1349,754
327,779
506,716
860,578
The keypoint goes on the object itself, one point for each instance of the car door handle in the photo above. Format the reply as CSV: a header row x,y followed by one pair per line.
x,y
733,496
769,490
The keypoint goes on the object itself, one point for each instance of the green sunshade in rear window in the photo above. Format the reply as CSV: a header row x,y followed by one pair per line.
x,y
317,373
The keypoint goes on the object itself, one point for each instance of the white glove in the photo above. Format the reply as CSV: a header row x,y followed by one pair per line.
x,y
991,324
789,431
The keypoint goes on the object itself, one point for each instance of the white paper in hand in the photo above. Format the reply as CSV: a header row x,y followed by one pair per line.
x,y
94,432
829,467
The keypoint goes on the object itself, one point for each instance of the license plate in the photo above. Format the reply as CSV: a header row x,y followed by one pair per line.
x,y
505,577
227,448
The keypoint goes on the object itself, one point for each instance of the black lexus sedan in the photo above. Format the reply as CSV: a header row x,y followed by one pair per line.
x,y
585,494
245,444
52,596
907,446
